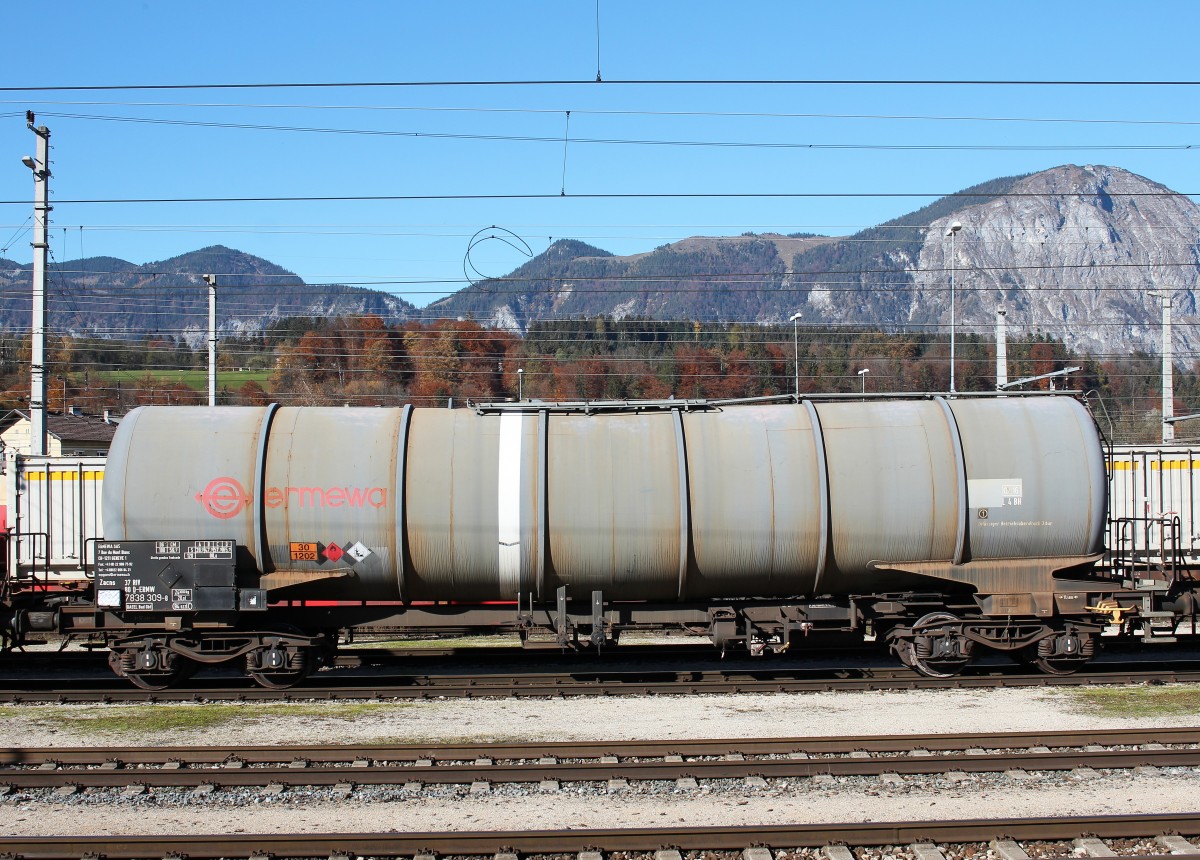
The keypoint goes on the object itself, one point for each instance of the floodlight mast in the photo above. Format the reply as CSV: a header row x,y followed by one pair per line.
x,y
1168,366
1001,349
794,319
211,280
952,231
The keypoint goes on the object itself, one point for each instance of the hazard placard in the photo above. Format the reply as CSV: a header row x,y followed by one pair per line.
x,y
303,551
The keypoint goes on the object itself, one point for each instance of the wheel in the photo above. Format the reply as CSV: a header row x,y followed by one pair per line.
x,y
936,648
167,670
1053,666
278,667
159,678
1062,654
274,679
156,680
1048,665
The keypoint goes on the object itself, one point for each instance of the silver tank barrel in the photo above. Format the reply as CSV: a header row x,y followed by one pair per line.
x,y
745,501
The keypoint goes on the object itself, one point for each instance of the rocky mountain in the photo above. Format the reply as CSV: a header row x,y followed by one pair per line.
x,y
1073,252
108,297
701,278
1070,252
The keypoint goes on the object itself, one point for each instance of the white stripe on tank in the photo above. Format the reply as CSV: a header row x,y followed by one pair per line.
x,y
508,503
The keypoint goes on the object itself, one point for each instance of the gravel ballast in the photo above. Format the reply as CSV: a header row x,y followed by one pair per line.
x,y
585,805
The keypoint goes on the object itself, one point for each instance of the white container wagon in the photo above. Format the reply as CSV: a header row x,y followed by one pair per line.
x,y
51,518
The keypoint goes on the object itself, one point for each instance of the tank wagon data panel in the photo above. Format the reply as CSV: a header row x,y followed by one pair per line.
x,y
170,577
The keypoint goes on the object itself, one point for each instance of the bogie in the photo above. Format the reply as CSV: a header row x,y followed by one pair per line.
x,y
934,646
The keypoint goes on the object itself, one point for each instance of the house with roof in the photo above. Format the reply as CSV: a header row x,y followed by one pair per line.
x,y
69,434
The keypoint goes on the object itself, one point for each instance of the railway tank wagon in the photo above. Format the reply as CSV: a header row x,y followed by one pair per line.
x,y
938,524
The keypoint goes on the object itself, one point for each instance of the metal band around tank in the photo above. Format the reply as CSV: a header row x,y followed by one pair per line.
x,y
508,503
685,508
399,496
543,503
261,552
960,468
823,492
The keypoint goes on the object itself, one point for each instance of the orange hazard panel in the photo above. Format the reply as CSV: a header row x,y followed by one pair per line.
x,y
303,551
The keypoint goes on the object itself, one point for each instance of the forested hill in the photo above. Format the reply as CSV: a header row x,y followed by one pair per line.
x,y
109,297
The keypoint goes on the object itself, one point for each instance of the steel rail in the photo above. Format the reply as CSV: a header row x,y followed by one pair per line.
x,y
356,767
582,683
833,745
592,771
524,842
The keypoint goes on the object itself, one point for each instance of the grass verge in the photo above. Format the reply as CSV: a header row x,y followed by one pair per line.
x,y
1136,702
162,719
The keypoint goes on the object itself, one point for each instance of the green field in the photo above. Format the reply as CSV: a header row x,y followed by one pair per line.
x,y
196,378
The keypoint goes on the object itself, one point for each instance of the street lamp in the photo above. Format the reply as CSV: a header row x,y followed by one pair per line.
x,y
520,383
794,319
862,374
952,231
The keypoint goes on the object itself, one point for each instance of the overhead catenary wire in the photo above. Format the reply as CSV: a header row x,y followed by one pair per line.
x,y
715,277
616,334
118,340
598,78
683,352
685,366
740,278
686,350
565,139
784,356
612,82
611,112
728,144
612,195
21,230
384,230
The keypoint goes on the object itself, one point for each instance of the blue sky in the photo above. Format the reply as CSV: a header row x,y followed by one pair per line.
x,y
416,248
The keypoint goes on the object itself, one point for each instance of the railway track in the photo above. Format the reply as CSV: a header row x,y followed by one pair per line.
x,y
584,682
1151,837
616,762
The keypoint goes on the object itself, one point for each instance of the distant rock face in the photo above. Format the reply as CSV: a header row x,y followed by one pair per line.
x,y
1073,252
700,278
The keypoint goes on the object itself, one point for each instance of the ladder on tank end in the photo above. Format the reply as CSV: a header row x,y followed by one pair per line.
x,y
1148,558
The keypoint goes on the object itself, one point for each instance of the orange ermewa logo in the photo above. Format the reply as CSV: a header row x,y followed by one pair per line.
x,y
225,498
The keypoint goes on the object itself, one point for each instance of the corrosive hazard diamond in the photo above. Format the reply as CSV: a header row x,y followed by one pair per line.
x,y
358,552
